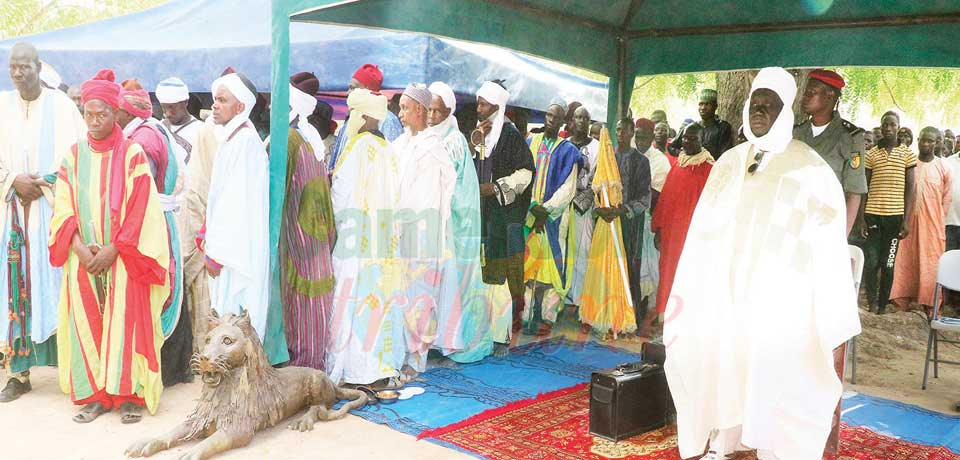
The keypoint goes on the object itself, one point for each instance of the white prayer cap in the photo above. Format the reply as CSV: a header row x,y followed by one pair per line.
x,y
445,93
172,90
784,84
419,93
494,94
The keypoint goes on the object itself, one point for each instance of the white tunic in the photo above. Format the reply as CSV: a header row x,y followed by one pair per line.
x,y
34,138
762,296
237,227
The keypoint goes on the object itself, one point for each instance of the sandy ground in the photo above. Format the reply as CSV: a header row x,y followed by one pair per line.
x,y
38,426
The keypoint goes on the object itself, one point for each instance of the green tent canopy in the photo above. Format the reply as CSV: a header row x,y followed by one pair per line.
x,y
625,38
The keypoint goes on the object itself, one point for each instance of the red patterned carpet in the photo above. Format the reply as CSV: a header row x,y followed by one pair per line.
x,y
554,426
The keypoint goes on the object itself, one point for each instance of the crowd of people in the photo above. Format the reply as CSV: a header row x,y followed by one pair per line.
x,y
411,233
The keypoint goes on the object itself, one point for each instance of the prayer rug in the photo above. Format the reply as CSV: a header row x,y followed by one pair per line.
x,y
902,421
452,395
555,426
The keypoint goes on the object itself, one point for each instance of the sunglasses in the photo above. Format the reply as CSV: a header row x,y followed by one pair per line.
x,y
756,162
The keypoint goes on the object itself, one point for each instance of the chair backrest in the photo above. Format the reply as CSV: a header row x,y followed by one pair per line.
x,y
948,270
856,259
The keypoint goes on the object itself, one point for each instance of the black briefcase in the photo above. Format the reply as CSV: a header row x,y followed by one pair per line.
x,y
628,400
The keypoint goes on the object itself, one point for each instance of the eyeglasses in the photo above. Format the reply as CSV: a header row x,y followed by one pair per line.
x,y
756,162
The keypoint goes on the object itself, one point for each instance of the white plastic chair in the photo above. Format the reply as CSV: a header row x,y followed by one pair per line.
x,y
948,276
856,262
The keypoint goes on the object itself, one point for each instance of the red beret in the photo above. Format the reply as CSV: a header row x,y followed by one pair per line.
x,y
828,77
306,82
101,87
645,123
370,76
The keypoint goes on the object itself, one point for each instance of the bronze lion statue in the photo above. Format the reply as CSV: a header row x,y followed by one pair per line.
x,y
243,394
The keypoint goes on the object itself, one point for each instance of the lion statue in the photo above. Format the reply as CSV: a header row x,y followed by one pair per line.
x,y
243,394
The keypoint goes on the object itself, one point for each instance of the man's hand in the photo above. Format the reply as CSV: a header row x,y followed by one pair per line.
x,y
656,240
485,126
214,272
29,187
103,260
904,230
540,215
488,189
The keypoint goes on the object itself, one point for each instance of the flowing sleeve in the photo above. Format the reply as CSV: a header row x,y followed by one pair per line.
x,y
63,224
834,300
667,196
947,187
142,239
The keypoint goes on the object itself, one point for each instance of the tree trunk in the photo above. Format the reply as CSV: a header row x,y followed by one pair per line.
x,y
733,90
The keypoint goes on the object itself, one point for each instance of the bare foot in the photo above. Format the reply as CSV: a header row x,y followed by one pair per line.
x,y
445,363
500,350
407,374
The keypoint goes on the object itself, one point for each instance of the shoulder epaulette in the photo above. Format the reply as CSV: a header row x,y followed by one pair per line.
x,y
850,127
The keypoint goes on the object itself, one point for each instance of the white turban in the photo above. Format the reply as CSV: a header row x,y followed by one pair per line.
x,y
172,90
445,93
232,82
781,82
362,102
496,95
50,76
301,106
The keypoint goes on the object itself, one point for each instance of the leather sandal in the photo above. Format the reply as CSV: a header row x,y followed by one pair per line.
x,y
90,412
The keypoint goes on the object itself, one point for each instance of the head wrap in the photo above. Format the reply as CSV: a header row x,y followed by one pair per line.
x,y
363,102
645,123
828,77
445,93
49,76
102,88
708,95
498,96
419,93
781,82
303,87
244,91
324,112
135,100
172,90
369,76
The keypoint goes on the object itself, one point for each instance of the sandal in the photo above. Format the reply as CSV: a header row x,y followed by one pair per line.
x,y
90,412
130,413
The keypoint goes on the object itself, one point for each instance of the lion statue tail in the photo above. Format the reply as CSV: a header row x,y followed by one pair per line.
x,y
357,399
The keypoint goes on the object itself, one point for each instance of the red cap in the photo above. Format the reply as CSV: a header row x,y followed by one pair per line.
x,y
370,76
645,123
828,77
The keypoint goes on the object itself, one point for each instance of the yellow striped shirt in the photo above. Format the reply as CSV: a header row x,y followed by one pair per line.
x,y
888,172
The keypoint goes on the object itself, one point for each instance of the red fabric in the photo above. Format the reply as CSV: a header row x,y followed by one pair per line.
x,y
137,103
555,426
110,401
828,77
155,146
671,218
126,237
60,248
101,87
370,76
306,82
645,123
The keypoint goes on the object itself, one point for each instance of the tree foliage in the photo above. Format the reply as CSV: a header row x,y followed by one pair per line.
x,y
24,17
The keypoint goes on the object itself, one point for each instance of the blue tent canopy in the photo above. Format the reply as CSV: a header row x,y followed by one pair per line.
x,y
197,40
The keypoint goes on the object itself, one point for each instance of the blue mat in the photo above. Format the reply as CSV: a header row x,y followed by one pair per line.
x,y
456,394
902,421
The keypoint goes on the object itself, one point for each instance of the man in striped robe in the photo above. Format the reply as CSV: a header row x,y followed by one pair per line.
x,y
109,234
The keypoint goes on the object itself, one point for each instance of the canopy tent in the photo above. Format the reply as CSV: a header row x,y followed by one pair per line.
x,y
197,40
626,38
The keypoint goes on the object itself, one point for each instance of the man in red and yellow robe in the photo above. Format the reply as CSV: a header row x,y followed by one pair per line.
x,y
109,234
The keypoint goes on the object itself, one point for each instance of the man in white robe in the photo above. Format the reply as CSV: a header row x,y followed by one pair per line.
x,y
367,330
426,236
763,294
38,127
237,234
174,95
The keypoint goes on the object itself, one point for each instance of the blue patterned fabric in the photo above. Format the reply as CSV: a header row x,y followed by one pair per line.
x,y
456,394
902,421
